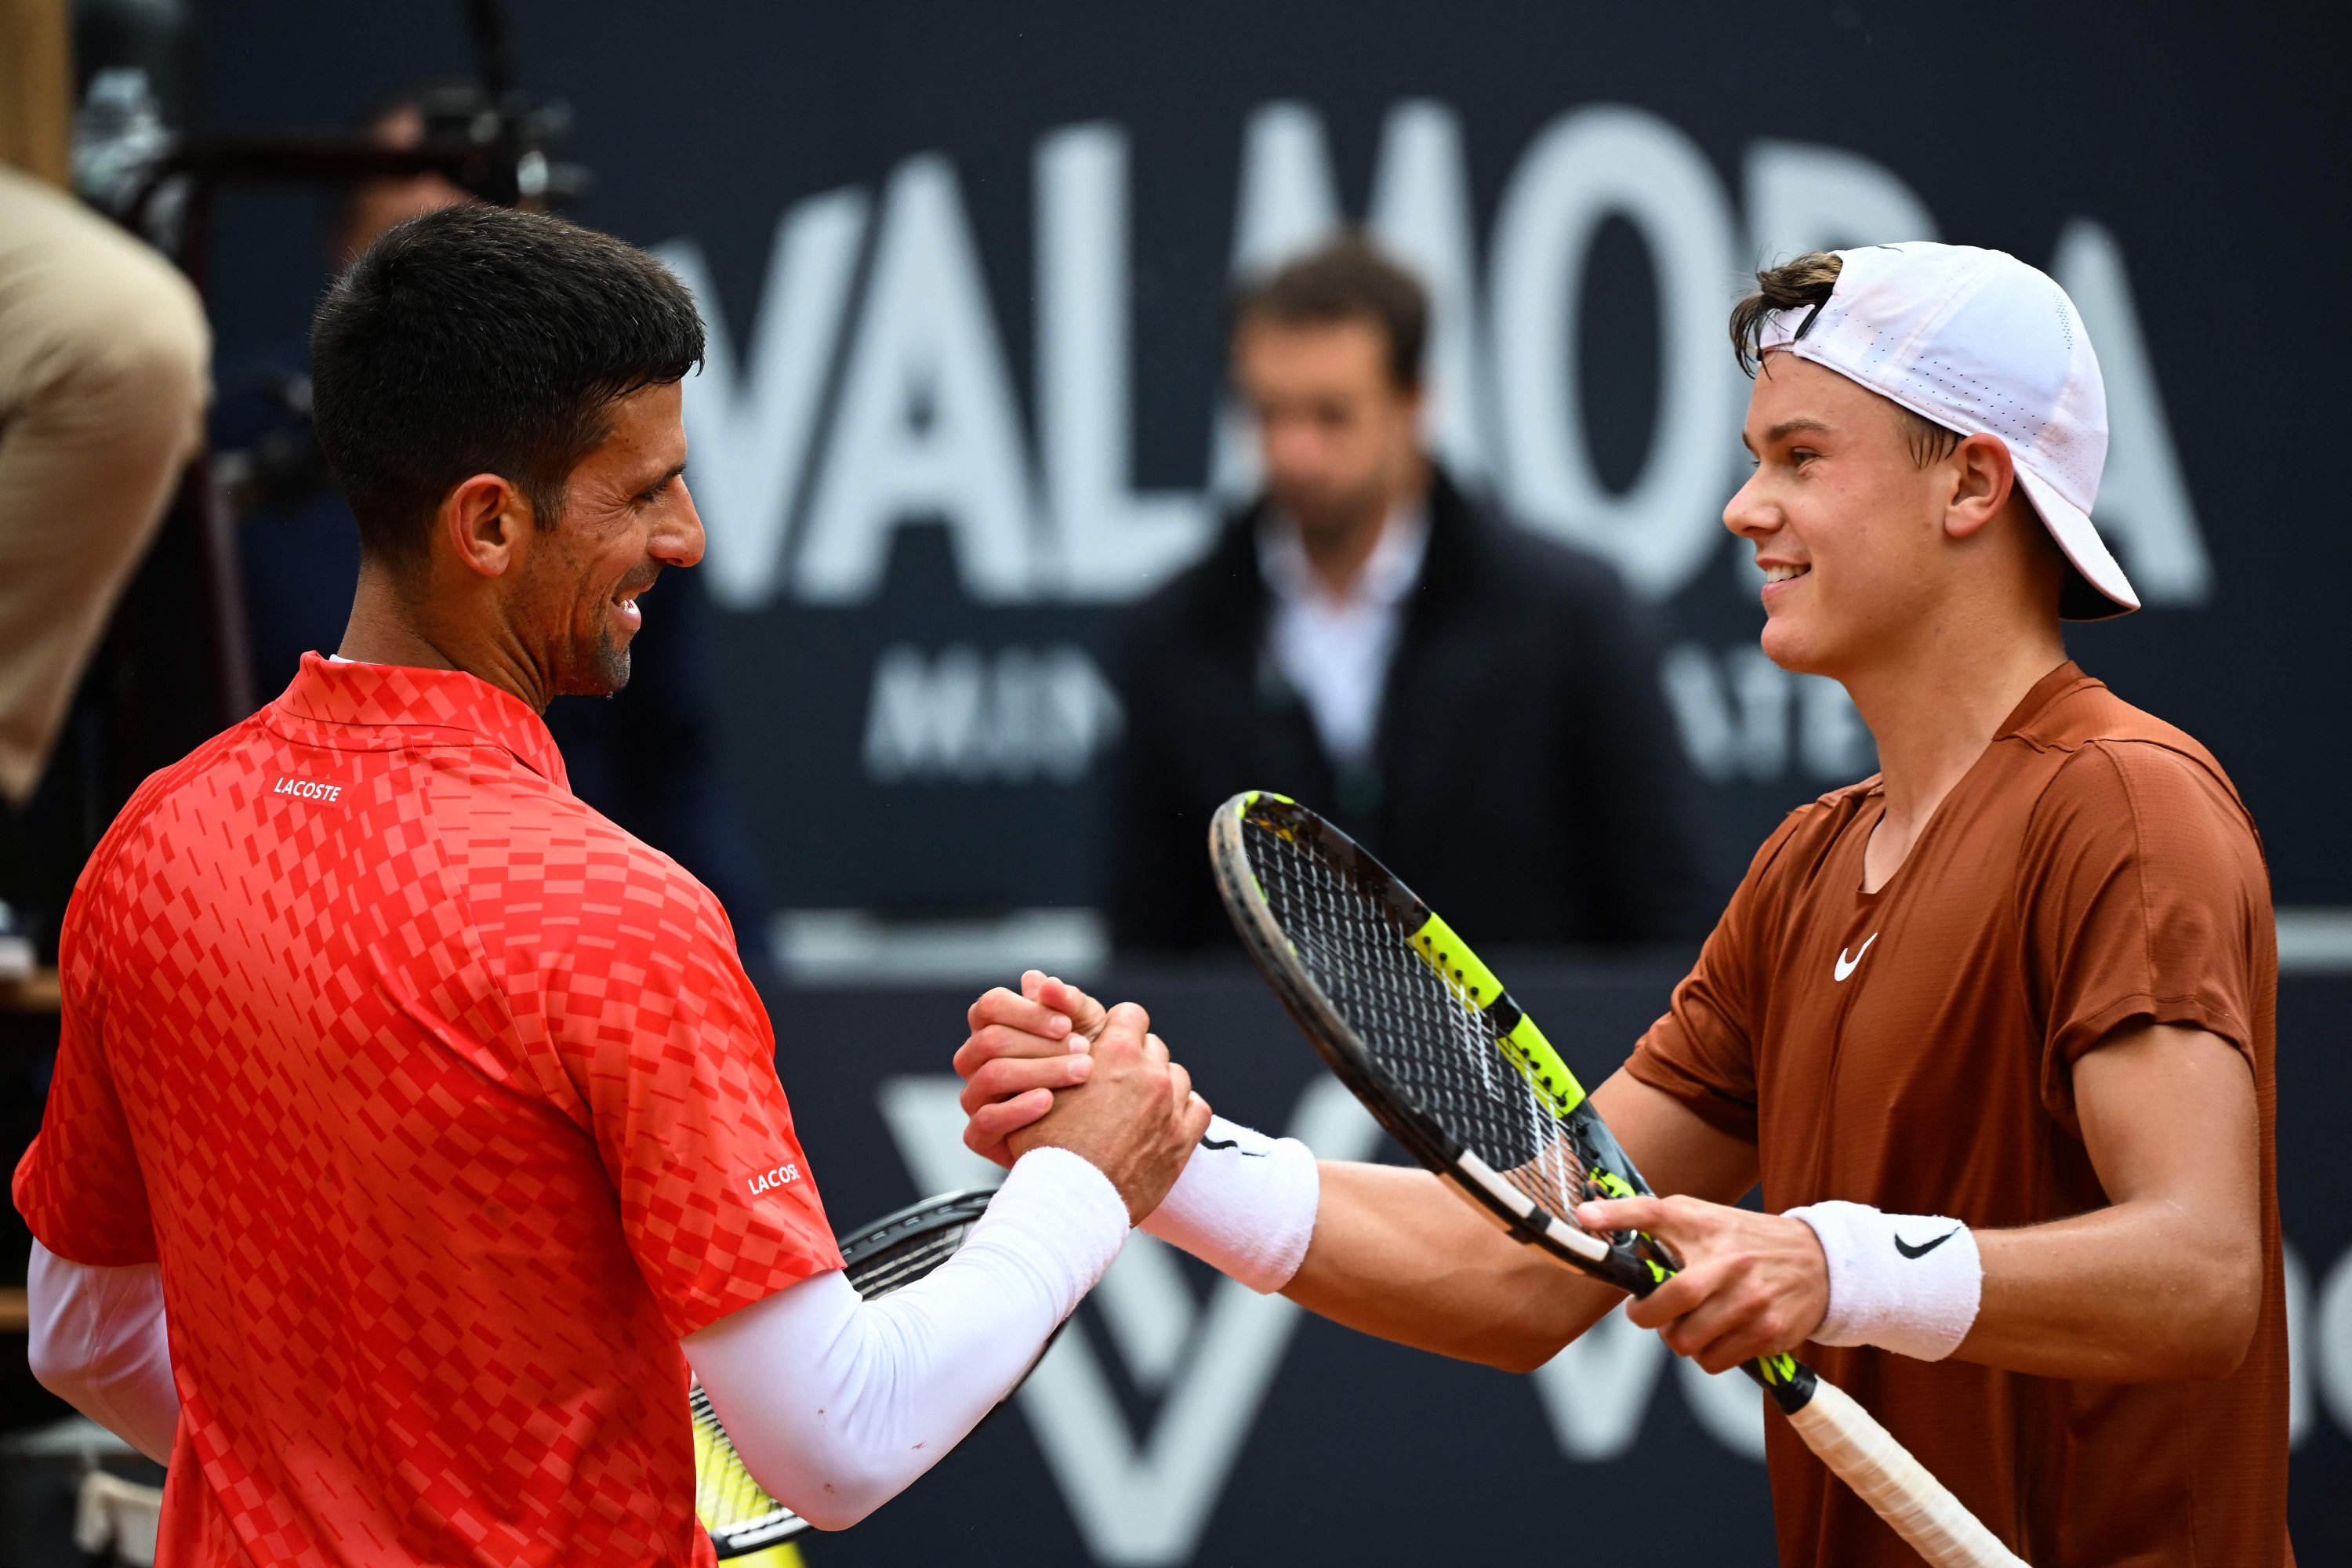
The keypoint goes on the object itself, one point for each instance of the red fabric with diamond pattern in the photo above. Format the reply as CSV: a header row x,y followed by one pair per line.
x,y
447,1110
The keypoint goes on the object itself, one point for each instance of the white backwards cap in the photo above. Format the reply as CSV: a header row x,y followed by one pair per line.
x,y
1977,342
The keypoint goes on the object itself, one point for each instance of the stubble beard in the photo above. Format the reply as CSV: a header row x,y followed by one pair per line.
x,y
601,673
612,662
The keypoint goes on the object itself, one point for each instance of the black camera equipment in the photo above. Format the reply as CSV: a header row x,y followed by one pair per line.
x,y
485,136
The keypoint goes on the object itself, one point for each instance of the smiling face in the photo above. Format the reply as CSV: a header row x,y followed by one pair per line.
x,y
1849,527
626,515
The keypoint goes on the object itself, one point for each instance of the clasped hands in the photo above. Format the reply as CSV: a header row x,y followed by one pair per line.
x,y
1121,1104
1751,1284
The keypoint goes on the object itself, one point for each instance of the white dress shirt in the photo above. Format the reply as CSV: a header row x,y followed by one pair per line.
x,y
1335,650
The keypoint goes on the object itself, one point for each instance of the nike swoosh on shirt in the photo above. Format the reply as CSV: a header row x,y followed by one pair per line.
x,y
1925,1248
1845,965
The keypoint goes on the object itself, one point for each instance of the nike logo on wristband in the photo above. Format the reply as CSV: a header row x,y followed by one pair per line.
x,y
1925,1248
1221,1145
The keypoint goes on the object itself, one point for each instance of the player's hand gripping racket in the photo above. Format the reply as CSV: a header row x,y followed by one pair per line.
x,y
1429,1040
895,1250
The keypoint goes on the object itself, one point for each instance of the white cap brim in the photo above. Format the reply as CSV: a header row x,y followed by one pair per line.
x,y
2070,525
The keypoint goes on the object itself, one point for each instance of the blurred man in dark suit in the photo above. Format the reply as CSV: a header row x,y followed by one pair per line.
x,y
1479,706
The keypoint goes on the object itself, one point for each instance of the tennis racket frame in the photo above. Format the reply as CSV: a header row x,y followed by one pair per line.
x,y
746,1540
1845,1435
1626,1262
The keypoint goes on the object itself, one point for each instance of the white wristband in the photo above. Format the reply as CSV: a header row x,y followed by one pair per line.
x,y
1904,1282
1245,1206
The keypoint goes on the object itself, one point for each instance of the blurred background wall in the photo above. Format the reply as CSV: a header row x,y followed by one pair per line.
x,y
964,406
963,263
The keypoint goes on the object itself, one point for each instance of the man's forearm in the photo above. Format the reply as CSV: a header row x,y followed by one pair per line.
x,y
2133,1293
1397,1256
2165,1281
835,1404
1390,1252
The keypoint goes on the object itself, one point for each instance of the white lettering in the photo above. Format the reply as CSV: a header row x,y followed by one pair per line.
x,y
748,433
1832,742
1727,1403
1421,211
1734,716
769,1181
1288,200
925,425
1114,542
1142,1498
2298,1347
2331,1346
1585,167
928,427
2143,508
306,790
1801,198
924,717
1702,715
1738,715
1597,1389
1762,690
1014,715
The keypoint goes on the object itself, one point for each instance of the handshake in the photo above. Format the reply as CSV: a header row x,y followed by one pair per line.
x,y
1051,1067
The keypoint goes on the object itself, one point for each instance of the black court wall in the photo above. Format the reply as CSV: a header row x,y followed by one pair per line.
x,y
1184,1420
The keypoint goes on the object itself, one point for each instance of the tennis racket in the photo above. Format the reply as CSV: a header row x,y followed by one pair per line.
x,y
1425,1036
897,1250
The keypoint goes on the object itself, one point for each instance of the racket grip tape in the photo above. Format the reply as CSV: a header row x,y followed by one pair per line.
x,y
1882,1473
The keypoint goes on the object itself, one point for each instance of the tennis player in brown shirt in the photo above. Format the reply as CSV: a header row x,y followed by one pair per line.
x,y
1994,1029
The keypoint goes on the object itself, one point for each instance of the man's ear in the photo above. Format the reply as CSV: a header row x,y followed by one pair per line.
x,y
1982,476
485,520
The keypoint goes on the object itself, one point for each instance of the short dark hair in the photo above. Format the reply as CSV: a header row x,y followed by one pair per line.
x,y
1806,284
482,340
1349,279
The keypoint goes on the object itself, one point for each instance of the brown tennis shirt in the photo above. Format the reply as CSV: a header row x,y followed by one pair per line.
x,y
1914,1050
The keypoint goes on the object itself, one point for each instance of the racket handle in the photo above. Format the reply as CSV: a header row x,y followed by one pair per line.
x,y
1882,1473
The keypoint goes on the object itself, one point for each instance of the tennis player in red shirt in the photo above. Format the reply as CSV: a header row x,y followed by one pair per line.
x,y
413,1128
1993,1030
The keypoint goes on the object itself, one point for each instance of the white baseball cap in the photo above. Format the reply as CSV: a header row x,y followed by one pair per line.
x,y
1977,342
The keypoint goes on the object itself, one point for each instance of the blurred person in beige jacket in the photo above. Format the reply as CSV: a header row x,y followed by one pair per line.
x,y
103,381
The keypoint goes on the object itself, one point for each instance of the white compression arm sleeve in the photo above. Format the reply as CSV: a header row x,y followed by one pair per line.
x,y
97,1343
837,1405
1245,1206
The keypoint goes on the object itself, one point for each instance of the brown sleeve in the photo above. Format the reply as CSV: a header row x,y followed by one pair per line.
x,y
2146,901
1703,1051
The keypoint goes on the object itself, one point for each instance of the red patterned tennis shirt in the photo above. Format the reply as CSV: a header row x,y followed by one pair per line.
x,y
447,1111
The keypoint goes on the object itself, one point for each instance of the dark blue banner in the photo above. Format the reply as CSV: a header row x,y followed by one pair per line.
x,y
964,395
1184,1419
